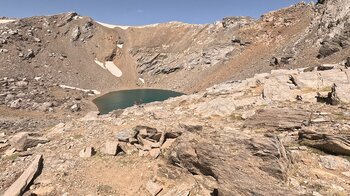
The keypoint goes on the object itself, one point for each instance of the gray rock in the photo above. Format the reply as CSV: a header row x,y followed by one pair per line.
x,y
66,18
75,34
23,140
334,163
75,108
21,83
16,103
30,54
125,135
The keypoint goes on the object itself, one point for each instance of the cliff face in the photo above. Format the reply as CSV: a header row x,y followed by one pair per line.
x,y
334,26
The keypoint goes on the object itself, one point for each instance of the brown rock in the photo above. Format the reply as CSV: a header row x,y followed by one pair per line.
x,y
4,147
155,152
153,188
22,141
87,152
168,143
110,148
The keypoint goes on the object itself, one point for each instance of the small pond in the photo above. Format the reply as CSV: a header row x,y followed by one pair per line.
x,y
127,98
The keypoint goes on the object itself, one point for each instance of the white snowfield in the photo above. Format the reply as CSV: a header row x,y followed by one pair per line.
x,y
142,80
79,89
111,67
3,21
126,27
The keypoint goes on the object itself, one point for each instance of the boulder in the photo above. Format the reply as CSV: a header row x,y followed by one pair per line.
x,y
153,188
87,152
75,34
23,182
155,152
334,163
111,148
75,108
24,140
126,135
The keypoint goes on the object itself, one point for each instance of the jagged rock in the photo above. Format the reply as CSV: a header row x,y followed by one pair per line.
x,y
276,157
153,188
191,128
325,67
155,152
168,70
278,119
24,140
75,34
66,18
230,22
204,155
16,103
111,148
347,63
87,152
29,55
4,147
168,142
44,107
333,144
23,182
75,108
126,135
331,97
327,49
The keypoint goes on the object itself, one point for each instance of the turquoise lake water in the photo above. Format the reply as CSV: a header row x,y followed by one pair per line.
x,y
127,98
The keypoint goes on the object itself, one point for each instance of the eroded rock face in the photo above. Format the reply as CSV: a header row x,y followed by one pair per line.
x,y
279,119
223,156
334,26
334,144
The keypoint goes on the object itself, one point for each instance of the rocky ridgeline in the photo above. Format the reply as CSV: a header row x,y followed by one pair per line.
x,y
257,135
207,49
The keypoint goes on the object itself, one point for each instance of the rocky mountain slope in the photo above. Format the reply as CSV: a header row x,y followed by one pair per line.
x,y
267,110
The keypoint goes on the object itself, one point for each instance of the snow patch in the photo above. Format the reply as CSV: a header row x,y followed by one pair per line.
x,y
126,27
79,89
100,64
111,67
111,26
3,21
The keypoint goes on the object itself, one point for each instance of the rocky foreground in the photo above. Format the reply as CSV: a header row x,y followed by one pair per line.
x,y
279,133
